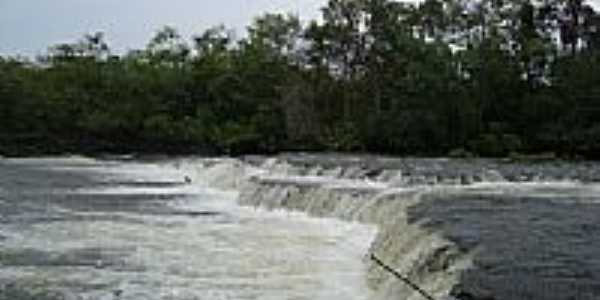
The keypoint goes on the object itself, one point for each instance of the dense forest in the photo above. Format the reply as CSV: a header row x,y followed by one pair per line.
x,y
441,77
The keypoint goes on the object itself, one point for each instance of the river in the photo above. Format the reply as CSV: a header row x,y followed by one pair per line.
x,y
78,228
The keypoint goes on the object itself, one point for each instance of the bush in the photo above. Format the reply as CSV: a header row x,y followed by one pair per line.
x,y
496,145
341,137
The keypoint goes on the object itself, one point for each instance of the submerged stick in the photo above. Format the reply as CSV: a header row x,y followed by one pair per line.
x,y
401,277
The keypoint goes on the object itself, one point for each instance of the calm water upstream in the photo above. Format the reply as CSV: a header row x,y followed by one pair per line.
x,y
84,229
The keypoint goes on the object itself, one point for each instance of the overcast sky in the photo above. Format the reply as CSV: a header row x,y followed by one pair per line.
x,y
29,26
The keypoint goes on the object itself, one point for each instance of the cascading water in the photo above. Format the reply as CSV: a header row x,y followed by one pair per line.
x,y
86,229
471,229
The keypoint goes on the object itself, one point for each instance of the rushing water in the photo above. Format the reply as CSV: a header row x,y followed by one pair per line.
x,y
84,229
472,229
78,228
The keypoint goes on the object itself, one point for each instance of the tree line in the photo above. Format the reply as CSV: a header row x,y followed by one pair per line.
x,y
439,77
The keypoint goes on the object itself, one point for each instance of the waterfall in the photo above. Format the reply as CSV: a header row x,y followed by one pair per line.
x,y
430,260
447,225
346,193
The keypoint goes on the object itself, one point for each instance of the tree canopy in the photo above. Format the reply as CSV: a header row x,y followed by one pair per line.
x,y
485,77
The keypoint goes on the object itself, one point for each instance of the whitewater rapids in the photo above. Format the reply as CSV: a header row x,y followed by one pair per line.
x,y
83,229
468,229
298,226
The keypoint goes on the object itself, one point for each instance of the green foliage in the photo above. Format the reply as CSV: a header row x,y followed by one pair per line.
x,y
433,78
341,137
496,145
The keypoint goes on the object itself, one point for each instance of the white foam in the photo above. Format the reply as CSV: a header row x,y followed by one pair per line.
x,y
247,253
